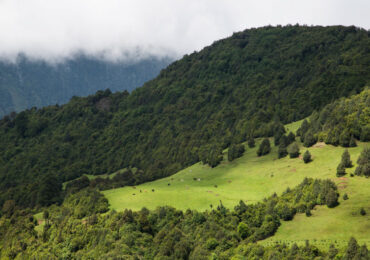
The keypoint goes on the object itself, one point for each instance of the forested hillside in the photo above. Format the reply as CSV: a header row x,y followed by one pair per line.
x,y
341,122
29,83
240,87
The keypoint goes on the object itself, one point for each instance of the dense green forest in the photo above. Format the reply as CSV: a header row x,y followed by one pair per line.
x,y
340,123
78,230
30,83
238,88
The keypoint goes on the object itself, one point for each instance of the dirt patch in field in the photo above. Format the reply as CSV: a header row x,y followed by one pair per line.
x,y
343,178
342,186
319,145
293,170
40,221
209,191
229,181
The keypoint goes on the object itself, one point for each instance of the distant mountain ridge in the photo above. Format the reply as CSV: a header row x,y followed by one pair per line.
x,y
28,83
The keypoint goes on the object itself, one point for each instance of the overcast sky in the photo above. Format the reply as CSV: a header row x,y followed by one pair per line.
x,y
53,30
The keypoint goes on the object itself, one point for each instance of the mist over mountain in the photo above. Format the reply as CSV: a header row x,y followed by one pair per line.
x,y
30,83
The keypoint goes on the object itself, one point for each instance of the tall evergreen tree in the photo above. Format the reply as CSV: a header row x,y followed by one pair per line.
x,y
346,159
282,151
363,162
341,169
309,139
264,147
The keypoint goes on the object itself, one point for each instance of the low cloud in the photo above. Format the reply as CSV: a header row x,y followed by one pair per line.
x,y
125,30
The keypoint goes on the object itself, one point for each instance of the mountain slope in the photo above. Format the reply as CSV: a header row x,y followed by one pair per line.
x,y
251,179
27,83
238,87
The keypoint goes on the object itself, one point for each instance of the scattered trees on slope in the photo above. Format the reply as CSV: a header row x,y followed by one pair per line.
x,y
363,162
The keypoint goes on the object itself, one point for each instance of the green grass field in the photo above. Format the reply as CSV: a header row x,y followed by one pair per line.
x,y
251,178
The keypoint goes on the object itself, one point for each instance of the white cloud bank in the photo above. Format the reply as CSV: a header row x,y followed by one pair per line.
x,y
122,29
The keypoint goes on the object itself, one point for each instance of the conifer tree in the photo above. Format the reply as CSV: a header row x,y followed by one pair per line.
x,y
341,170
293,150
282,151
346,159
307,157
264,147
363,161
309,139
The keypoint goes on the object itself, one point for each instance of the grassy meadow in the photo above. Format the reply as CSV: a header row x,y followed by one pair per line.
x,y
251,178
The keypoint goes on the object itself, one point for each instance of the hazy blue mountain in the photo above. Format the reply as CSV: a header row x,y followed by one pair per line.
x,y
26,83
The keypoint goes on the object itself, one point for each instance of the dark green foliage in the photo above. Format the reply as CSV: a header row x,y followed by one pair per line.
x,y
235,151
85,203
362,212
332,198
352,142
346,159
78,184
345,139
291,138
308,213
284,141
243,230
50,190
303,129
264,147
343,121
279,131
309,139
251,142
352,250
363,162
293,150
211,155
8,207
307,157
239,86
123,178
345,196
282,151
77,229
365,132
341,170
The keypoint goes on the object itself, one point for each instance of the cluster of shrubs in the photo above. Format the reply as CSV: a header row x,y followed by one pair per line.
x,y
363,168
